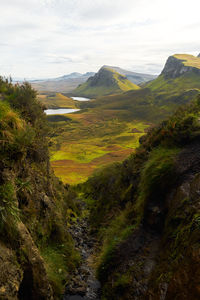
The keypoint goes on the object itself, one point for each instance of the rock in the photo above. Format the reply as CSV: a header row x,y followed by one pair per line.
x,y
83,281
35,280
11,274
174,67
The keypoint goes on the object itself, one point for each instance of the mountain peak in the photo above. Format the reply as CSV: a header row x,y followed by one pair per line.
x,y
179,64
198,55
105,82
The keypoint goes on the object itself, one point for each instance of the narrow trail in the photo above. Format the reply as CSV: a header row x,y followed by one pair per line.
x,y
83,284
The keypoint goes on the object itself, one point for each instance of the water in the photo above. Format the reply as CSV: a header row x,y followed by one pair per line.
x,y
80,98
60,111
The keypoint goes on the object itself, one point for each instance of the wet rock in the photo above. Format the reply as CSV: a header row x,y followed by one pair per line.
x,y
83,284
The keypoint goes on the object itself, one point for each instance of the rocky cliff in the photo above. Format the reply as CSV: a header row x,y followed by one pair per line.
x,y
177,65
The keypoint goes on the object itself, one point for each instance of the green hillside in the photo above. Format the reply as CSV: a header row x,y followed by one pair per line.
x,y
189,60
110,120
145,213
57,100
107,81
180,74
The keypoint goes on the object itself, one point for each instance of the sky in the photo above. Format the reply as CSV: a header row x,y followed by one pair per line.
x,y
50,38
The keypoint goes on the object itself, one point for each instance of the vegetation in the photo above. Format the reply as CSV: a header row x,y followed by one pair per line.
x,y
128,198
57,100
34,204
189,60
107,81
87,141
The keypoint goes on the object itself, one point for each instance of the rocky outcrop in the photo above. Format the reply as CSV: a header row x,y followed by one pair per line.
x,y
175,67
104,78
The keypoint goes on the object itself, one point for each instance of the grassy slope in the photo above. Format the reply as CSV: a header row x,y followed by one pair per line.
x,y
128,199
189,60
175,86
55,100
119,85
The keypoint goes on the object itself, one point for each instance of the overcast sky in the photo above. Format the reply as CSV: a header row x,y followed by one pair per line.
x,y
49,38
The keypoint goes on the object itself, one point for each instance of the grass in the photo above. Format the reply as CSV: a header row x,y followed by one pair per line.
x,y
90,141
57,267
57,100
175,86
157,174
108,129
189,60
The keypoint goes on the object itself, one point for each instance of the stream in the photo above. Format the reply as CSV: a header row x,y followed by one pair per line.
x,y
83,284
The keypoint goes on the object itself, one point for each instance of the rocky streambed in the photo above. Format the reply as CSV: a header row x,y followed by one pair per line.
x,y
83,284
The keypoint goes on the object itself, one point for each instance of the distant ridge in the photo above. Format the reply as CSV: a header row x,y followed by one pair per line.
x,y
105,82
134,77
63,84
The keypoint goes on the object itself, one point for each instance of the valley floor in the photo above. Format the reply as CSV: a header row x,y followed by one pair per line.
x,y
90,140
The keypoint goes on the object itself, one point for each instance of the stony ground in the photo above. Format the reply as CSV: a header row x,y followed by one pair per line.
x,y
83,284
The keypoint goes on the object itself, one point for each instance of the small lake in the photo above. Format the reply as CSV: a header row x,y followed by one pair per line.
x,y
60,111
80,98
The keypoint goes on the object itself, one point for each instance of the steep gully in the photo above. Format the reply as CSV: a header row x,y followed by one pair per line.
x,y
83,284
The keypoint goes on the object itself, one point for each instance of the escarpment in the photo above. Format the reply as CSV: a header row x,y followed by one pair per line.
x,y
176,66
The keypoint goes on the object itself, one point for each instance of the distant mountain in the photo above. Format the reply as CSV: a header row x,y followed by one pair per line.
x,y
134,77
105,82
178,83
63,84
73,75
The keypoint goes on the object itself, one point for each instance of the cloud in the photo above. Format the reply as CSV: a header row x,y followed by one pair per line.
x,y
48,38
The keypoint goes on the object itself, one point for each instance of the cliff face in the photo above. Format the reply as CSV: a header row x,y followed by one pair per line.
x,y
104,77
36,249
175,67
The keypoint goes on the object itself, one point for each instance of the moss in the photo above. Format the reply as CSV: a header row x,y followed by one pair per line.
x,y
157,175
59,264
